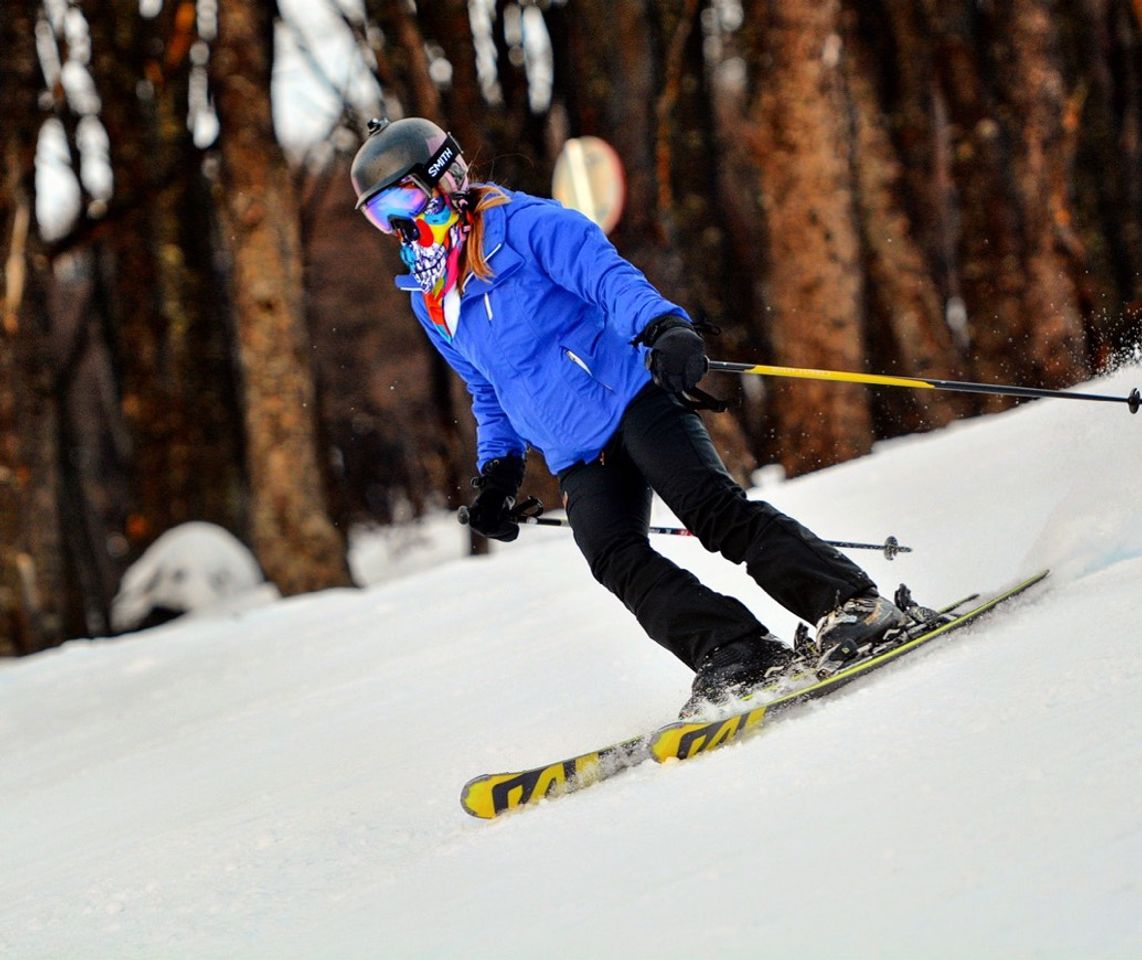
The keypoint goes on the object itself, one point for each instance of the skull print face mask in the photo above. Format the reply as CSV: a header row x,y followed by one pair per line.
x,y
431,245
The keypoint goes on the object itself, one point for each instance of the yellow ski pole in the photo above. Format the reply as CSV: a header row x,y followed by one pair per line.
x,y
1133,400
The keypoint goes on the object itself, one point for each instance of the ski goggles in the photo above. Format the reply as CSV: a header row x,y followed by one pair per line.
x,y
401,201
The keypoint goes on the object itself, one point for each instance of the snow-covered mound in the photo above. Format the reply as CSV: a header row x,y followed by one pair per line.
x,y
284,783
194,568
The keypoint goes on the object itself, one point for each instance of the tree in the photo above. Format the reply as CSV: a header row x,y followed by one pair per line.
x,y
297,545
813,282
1006,104
905,324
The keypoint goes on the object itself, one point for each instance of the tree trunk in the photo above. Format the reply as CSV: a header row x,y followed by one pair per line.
x,y
607,87
31,568
1006,104
814,282
299,548
1104,54
709,279
906,324
1052,326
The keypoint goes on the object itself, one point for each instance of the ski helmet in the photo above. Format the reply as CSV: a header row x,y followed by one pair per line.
x,y
412,147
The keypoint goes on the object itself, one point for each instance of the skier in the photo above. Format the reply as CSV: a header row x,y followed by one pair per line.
x,y
567,348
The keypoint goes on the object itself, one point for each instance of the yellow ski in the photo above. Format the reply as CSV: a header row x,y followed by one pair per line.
x,y
492,794
684,739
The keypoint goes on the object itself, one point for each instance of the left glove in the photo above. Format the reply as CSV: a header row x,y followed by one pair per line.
x,y
491,512
677,358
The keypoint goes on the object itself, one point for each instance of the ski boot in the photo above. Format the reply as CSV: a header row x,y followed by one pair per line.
x,y
734,671
858,625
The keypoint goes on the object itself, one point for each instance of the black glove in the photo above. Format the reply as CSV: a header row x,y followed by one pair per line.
x,y
677,358
491,512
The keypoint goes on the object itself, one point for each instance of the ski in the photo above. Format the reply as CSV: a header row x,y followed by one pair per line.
x,y
684,739
489,795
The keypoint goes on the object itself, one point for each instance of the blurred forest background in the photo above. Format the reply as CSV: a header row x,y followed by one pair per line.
x,y
196,325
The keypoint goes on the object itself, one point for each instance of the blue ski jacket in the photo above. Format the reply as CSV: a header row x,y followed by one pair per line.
x,y
544,346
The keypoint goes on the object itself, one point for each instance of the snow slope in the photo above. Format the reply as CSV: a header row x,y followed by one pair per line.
x,y
284,783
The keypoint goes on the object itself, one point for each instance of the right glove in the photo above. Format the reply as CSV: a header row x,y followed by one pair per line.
x,y
677,358
491,512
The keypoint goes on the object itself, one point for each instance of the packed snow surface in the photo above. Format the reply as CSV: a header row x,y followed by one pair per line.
x,y
283,782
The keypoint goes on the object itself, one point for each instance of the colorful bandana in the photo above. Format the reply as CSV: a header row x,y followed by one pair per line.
x,y
434,257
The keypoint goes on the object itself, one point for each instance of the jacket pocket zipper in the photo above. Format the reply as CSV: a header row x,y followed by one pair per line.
x,y
581,363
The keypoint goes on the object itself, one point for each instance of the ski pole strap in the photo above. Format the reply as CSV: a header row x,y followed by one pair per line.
x,y
528,509
1133,400
697,399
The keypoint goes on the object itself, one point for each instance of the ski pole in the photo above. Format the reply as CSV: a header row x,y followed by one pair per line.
x,y
1133,400
890,548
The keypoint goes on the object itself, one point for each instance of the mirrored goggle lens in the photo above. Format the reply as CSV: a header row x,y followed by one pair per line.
x,y
403,201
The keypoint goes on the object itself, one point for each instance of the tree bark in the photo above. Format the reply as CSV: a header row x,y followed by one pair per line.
x,y
1006,103
299,548
814,282
1052,325
906,328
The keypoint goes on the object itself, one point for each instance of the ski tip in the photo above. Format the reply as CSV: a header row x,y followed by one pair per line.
x,y
491,795
477,800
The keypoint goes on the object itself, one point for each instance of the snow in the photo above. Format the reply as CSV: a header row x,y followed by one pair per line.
x,y
193,567
283,781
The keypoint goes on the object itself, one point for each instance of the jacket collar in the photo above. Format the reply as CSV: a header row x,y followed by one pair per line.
x,y
503,260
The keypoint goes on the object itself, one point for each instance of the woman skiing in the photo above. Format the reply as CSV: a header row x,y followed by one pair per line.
x,y
566,348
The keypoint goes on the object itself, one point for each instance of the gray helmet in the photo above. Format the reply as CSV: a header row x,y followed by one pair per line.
x,y
412,147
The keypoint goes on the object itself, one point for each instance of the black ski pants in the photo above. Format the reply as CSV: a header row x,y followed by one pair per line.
x,y
662,446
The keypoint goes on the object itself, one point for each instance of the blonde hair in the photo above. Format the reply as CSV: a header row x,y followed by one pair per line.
x,y
482,196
